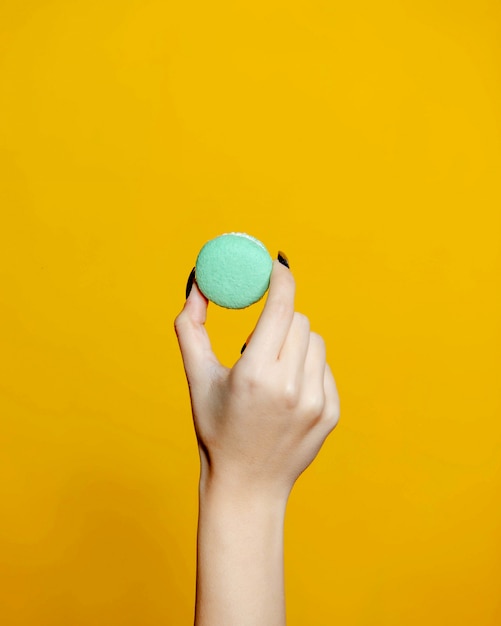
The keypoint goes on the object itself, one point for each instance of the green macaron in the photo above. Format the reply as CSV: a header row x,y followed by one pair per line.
x,y
233,270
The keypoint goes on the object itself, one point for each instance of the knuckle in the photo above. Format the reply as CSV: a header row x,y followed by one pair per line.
x,y
331,417
249,379
290,394
301,324
317,404
301,320
314,406
318,340
179,321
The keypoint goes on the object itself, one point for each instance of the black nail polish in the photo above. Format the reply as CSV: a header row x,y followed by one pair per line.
x,y
282,258
243,348
189,284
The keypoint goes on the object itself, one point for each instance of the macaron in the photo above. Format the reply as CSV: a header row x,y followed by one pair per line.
x,y
233,270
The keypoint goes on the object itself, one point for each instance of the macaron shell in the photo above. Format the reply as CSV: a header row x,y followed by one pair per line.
x,y
233,270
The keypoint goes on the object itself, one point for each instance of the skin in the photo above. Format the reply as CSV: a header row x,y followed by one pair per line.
x,y
259,425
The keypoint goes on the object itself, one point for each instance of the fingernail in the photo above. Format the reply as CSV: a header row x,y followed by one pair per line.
x,y
246,343
189,284
282,258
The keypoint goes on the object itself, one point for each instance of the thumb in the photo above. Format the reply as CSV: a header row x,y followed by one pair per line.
x,y
192,336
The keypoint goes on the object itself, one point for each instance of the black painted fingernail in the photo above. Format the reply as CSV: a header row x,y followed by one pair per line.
x,y
282,258
189,284
243,348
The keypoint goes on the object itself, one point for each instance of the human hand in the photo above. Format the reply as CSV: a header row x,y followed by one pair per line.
x,y
261,423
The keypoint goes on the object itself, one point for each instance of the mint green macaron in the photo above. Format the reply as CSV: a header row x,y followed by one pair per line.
x,y
233,270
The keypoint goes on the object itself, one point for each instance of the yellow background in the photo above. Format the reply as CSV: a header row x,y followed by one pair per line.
x,y
364,140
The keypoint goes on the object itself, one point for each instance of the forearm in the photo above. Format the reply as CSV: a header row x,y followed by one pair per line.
x,y
240,577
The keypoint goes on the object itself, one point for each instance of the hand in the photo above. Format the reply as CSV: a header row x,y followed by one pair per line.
x,y
262,422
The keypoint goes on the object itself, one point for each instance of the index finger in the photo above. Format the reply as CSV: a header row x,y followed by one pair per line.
x,y
276,318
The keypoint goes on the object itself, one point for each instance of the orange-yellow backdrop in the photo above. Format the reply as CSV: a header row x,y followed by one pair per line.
x,y
364,140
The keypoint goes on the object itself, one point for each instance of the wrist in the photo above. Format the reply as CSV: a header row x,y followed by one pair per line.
x,y
228,491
